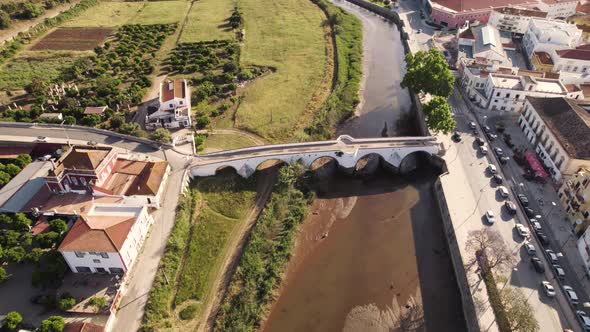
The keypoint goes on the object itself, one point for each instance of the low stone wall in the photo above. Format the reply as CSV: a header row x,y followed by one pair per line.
x,y
469,311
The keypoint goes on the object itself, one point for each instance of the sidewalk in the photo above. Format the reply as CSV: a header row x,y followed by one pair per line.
x,y
560,229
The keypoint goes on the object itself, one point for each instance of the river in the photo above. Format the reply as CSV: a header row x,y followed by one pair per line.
x,y
371,248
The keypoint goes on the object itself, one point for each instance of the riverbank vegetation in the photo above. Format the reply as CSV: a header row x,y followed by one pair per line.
x,y
266,254
206,218
341,103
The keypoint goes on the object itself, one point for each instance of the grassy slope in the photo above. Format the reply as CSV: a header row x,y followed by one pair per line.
x,y
292,40
206,21
112,14
217,142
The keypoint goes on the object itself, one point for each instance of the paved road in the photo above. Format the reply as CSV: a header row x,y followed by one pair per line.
x,y
552,314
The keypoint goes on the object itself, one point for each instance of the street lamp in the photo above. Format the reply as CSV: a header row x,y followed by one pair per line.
x,y
65,132
485,118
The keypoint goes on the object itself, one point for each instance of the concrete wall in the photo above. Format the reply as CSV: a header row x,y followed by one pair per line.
x,y
469,311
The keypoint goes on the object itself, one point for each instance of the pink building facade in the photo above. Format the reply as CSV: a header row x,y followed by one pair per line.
x,y
454,13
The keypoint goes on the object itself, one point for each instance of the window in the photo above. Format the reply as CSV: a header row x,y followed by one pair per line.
x,y
104,255
171,105
180,102
74,181
507,95
96,261
83,269
586,214
100,270
83,180
79,254
116,270
93,253
517,96
497,94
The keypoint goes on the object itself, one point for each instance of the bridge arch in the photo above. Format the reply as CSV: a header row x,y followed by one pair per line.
x,y
225,169
323,166
368,164
266,164
413,161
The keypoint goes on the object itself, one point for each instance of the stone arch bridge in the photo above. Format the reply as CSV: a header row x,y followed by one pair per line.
x,y
400,154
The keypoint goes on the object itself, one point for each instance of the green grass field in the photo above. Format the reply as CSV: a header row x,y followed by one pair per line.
x,y
113,14
20,71
292,40
207,21
216,142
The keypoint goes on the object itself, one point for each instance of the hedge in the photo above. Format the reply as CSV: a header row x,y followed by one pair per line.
x,y
496,301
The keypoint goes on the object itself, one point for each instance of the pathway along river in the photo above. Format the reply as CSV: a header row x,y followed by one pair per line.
x,y
385,245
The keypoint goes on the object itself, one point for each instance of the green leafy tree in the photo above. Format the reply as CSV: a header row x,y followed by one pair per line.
x,y
23,160
58,225
5,20
34,256
203,121
47,240
12,170
519,311
98,302
69,120
428,72
31,10
1,252
52,324
4,178
131,128
90,120
37,87
116,121
15,254
2,275
66,302
13,319
161,135
21,222
438,115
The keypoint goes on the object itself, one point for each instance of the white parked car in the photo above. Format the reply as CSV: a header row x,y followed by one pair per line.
x,y
522,230
503,191
530,248
472,125
548,288
490,217
571,295
492,169
483,149
552,255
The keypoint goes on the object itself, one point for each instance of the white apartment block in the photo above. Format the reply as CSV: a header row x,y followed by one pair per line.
x,y
558,8
515,20
558,128
547,36
483,42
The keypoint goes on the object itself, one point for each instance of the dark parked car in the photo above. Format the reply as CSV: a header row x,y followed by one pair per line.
x,y
479,141
457,137
537,264
504,160
510,207
523,200
492,137
487,129
497,179
543,238
529,212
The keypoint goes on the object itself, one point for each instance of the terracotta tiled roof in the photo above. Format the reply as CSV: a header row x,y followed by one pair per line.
x,y
92,233
544,58
83,327
577,54
569,122
467,34
94,110
83,158
148,182
172,89
466,5
584,8
552,75
522,12
572,88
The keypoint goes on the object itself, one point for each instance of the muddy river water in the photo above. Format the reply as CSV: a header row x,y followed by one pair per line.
x,y
372,249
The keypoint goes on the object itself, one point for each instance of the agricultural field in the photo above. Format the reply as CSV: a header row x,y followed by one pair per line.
x,y
114,14
20,71
293,41
75,39
207,20
223,205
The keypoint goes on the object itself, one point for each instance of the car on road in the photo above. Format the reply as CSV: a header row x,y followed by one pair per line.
x,y
530,248
419,31
523,200
571,294
504,160
497,179
483,149
472,125
492,169
529,212
559,272
543,238
479,141
456,136
522,230
492,137
487,129
510,207
538,265
503,191
552,256
41,139
92,143
498,151
490,217
548,288
536,226
584,320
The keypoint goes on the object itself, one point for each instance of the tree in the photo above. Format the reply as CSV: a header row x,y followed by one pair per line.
x,y
69,120
31,10
37,87
4,20
66,302
2,275
161,135
438,115
13,319
4,178
15,254
131,128
12,170
116,121
23,160
489,244
34,256
203,121
46,240
58,225
519,311
98,303
427,72
52,324
20,222
90,120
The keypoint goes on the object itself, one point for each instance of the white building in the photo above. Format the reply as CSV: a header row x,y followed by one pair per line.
x,y
483,42
558,8
575,60
559,130
584,249
174,108
546,36
513,19
107,239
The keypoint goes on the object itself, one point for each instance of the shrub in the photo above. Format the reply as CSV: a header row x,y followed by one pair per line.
x,y
66,302
496,302
4,20
188,313
52,324
34,256
161,135
31,10
15,254
203,121
13,319
2,275
47,240
58,225
230,67
69,120
90,120
116,121
12,170
23,160
246,75
98,302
